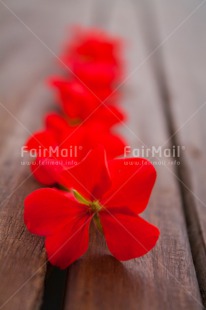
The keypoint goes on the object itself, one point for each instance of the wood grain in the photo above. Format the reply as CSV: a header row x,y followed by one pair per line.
x,y
159,98
165,278
25,64
187,107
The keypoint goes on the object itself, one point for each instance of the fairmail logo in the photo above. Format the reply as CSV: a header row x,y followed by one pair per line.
x,y
154,151
72,151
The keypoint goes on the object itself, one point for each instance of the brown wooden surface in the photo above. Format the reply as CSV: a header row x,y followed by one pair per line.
x,y
165,87
186,83
24,99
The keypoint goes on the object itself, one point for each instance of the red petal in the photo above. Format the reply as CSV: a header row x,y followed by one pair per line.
x,y
132,183
95,72
41,139
47,210
76,99
114,145
90,177
128,236
69,243
113,114
93,45
39,173
56,123
42,171
107,114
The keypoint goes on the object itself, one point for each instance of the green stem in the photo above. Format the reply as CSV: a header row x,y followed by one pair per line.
x,y
80,198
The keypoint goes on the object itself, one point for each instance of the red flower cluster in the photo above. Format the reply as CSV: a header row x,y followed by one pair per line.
x,y
76,152
93,57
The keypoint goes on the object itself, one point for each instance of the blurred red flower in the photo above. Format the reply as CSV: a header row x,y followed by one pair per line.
x,y
80,104
94,57
112,194
66,145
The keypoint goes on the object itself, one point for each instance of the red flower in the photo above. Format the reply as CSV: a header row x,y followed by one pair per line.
x,y
80,103
94,57
112,194
66,145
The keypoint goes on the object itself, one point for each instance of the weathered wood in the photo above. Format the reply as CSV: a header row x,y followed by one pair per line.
x,y
165,278
184,61
27,58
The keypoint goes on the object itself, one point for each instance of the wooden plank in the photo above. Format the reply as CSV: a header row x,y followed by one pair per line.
x,y
24,101
184,60
165,278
